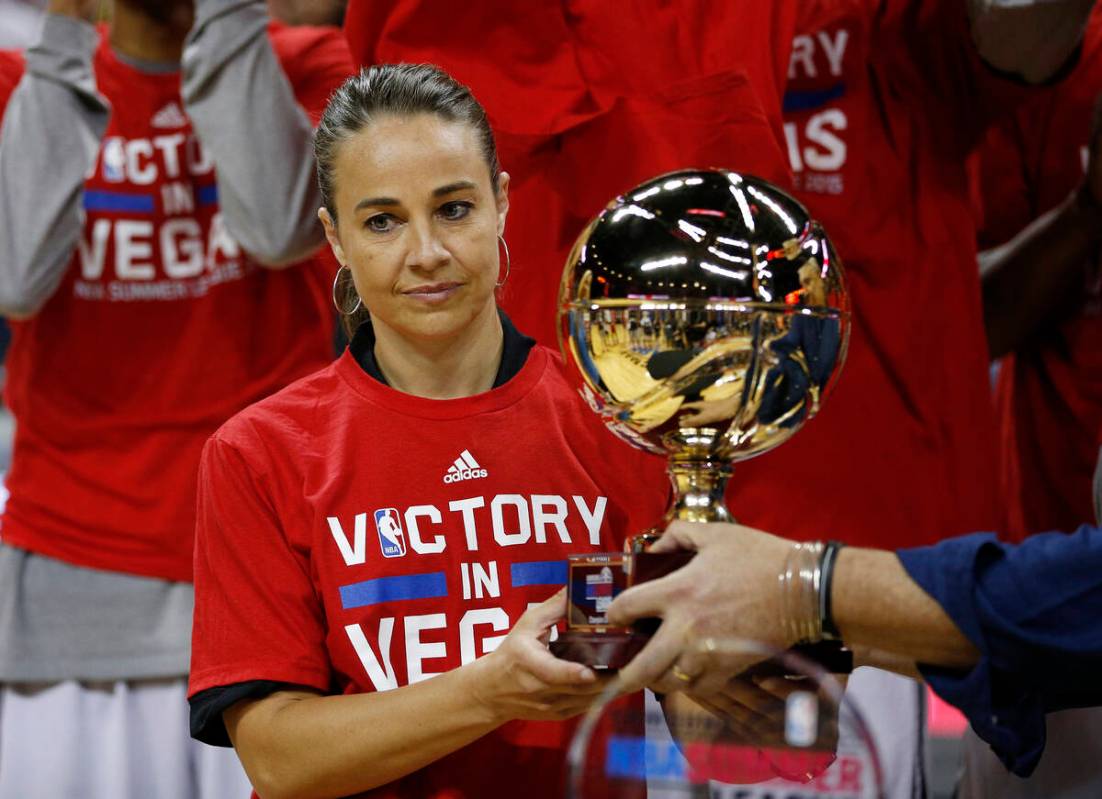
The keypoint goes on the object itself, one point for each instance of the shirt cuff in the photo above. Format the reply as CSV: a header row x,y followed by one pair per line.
x,y
65,44
1010,719
206,10
1002,711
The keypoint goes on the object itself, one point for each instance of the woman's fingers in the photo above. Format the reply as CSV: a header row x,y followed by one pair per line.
x,y
550,670
540,617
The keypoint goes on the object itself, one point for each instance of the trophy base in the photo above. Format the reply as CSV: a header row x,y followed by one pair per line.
x,y
611,651
607,651
831,656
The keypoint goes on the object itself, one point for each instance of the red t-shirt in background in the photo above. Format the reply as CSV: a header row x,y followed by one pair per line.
x,y
588,98
160,330
884,101
1049,394
337,550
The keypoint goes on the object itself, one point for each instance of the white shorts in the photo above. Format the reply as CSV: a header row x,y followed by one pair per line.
x,y
112,740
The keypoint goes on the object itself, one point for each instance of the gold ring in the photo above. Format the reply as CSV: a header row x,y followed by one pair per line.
x,y
679,674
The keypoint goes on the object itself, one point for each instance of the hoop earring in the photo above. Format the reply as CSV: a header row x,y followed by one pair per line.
x,y
336,304
508,262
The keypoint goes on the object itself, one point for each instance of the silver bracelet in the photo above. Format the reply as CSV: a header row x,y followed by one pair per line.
x,y
800,581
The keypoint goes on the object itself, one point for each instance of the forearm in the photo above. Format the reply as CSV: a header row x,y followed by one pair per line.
x,y
313,747
877,605
1032,39
244,110
1029,276
49,141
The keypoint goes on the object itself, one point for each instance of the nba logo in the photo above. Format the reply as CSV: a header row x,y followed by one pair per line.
x,y
114,160
391,538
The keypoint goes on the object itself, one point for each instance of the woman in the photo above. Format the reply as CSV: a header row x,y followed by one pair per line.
x,y
390,518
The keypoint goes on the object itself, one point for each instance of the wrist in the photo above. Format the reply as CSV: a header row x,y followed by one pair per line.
x,y
799,584
481,676
806,581
827,626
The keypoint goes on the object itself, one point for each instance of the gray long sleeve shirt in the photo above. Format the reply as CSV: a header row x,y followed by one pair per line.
x,y
58,620
266,183
49,140
241,107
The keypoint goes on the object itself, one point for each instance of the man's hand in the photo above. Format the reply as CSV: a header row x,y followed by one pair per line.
x,y
729,594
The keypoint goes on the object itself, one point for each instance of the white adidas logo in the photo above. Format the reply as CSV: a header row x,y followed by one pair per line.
x,y
169,117
464,468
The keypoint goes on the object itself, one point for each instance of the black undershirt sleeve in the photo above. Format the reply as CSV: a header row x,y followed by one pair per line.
x,y
207,707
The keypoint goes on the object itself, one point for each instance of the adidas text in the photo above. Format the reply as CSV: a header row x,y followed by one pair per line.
x,y
466,474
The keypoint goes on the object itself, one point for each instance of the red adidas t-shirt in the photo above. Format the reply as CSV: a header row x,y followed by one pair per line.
x,y
884,101
589,98
352,538
161,329
1049,395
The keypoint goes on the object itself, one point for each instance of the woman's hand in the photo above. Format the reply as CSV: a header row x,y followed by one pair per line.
x,y
521,679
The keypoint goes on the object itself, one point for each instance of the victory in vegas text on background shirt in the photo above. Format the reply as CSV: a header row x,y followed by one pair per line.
x,y
160,330
884,100
1049,394
352,538
589,98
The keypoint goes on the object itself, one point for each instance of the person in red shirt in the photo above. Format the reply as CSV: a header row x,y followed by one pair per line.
x,y
1043,295
884,101
378,542
143,319
1038,180
590,98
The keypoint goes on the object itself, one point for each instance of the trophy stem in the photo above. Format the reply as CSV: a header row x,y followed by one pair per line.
x,y
698,488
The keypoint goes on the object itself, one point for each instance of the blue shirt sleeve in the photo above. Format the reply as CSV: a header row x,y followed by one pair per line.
x,y
1034,612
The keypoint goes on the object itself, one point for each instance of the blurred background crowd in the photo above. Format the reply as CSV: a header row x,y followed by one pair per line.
x,y
953,158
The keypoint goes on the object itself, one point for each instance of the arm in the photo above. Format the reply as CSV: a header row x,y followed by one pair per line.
x,y
52,127
245,112
1030,276
304,745
1033,39
1004,633
730,590
928,636
1032,611
259,616
1027,278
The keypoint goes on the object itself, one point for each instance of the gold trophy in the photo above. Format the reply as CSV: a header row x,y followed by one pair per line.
x,y
704,316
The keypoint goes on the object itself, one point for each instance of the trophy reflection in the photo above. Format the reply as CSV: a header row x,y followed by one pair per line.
x,y
704,316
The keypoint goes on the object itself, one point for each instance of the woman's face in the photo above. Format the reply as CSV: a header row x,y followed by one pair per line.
x,y
418,223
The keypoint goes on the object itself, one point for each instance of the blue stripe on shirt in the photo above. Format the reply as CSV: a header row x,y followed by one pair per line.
x,y
812,98
538,572
393,589
118,201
